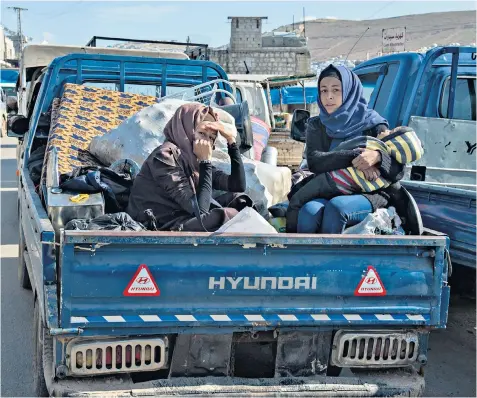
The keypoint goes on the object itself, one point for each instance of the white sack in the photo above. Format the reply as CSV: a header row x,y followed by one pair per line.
x,y
266,184
247,221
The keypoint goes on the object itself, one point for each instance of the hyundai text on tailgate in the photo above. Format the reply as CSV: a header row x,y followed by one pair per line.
x,y
161,313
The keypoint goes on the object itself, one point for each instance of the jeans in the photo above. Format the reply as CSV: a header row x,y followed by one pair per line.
x,y
333,216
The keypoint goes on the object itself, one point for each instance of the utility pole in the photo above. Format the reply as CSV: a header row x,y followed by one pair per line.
x,y
19,10
304,23
188,41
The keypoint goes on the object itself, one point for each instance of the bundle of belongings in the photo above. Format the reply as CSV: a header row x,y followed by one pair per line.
x,y
401,143
101,139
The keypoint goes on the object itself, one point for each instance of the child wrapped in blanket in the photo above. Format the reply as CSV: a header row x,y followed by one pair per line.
x,y
401,143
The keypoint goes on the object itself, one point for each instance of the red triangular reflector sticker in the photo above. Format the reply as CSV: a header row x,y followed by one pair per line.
x,y
371,284
142,284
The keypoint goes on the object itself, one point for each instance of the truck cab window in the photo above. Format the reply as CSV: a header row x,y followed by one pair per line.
x,y
369,82
465,101
151,90
103,85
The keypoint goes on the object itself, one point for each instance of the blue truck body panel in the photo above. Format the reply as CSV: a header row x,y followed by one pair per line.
x,y
452,211
199,289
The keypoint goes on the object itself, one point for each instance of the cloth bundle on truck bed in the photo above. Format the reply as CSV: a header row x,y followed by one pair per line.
x,y
86,112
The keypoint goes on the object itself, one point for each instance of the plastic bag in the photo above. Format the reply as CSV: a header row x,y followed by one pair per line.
x,y
279,210
115,187
279,223
107,222
248,221
126,166
381,222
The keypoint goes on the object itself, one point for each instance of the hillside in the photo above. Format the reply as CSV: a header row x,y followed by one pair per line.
x,y
329,38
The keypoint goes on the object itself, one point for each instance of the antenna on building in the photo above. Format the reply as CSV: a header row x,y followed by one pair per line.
x,y
355,44
19,10
246,67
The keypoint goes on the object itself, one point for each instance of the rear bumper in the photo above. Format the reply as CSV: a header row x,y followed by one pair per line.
x,y
403,382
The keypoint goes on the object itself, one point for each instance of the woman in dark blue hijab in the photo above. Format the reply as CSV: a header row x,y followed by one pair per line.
x,y
344,114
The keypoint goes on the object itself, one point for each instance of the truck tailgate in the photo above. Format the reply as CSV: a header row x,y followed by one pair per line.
x,y
238,282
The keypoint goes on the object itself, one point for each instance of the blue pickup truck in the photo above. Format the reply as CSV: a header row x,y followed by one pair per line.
x,y
240,314
435,94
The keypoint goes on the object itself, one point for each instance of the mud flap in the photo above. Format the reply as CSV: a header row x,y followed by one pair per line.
x,y
302,353
193,352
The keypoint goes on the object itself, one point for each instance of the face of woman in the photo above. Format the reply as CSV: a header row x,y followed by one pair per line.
x,y
331,94
203,132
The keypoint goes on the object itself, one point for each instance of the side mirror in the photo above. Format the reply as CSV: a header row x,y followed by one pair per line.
x,y
298,125
12,104
243,123
17,126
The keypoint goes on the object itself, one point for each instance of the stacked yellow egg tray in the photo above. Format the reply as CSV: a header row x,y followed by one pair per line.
x,y
86,112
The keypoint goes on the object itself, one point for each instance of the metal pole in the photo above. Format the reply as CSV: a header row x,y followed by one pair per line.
x,y
453,84
304,23
270,107
18,10
304,93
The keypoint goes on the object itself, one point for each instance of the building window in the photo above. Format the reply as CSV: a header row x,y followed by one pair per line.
x,y
258,24
237,23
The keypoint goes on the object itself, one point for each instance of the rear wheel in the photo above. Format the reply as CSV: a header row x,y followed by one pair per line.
x,y
22,268
39,336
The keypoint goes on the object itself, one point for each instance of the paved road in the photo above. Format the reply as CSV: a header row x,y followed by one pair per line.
x,y
451,370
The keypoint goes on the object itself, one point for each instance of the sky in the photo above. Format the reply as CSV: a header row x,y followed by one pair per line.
x,y
75,22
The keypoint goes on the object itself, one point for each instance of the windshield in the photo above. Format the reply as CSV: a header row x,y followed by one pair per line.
x,y
9,91
8,75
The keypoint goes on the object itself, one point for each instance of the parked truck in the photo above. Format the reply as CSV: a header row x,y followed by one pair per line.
x,y
240,314
434,93
256,90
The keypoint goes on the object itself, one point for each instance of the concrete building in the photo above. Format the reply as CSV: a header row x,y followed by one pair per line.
x,y
249,51
7,48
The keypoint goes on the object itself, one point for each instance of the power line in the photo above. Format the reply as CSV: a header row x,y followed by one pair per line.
x,y
381,9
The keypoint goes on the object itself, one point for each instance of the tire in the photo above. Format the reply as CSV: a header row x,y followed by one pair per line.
x,y
23,277
39,336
